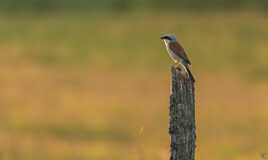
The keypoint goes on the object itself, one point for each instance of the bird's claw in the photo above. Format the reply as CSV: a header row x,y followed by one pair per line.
x,y
177,66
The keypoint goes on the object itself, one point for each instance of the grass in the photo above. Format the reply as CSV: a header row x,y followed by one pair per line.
x,y
133,40
82,87
60,114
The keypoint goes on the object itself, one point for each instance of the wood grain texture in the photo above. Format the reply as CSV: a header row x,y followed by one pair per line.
x,y
182,117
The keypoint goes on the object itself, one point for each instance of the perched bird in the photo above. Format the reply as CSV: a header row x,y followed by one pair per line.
x,y
177,53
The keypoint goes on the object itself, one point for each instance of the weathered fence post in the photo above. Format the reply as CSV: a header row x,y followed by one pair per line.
x,y
182,117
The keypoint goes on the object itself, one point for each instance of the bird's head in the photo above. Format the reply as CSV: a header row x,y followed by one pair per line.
x,y
168,38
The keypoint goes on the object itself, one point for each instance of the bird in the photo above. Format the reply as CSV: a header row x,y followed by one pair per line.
x,y
177,53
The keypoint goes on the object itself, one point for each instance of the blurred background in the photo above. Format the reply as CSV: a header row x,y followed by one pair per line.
x,y
91,79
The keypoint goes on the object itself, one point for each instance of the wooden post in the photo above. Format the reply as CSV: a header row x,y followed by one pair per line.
x,y
182,117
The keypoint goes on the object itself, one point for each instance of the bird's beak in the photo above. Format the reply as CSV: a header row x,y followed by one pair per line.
x,y
163,37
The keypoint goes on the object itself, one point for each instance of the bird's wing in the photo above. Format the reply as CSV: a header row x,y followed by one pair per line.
x,y
177,49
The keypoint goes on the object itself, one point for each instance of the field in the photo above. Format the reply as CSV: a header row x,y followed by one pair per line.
x,y
77,86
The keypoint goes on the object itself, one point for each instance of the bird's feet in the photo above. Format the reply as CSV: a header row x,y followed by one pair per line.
x,y
177,66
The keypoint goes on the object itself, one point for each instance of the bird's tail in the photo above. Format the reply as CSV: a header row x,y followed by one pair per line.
x,y
189,73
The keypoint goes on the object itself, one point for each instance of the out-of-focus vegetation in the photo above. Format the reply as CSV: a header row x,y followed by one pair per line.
x,y
85,82
237,41
93,113
127,5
